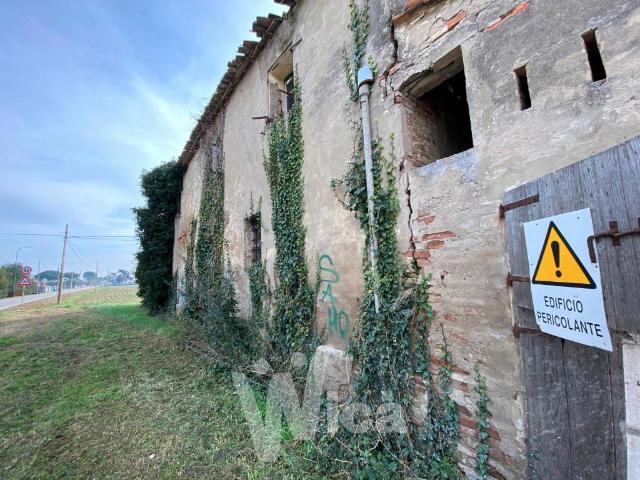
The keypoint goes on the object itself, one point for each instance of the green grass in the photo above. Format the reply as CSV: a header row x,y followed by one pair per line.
x,y
96,388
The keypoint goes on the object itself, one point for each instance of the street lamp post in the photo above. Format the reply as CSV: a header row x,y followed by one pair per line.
x,y
15,270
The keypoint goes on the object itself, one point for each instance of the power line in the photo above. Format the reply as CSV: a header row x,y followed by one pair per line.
x,y
91,237
33,234
102,236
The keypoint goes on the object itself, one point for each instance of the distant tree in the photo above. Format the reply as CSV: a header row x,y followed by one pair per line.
x,y
49,275
89,276
161,188
5,283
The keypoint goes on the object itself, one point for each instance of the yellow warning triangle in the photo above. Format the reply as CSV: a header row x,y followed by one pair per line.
x,y
559,265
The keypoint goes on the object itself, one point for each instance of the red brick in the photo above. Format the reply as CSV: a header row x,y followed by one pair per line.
x,y
439,235
469,422
493,433
464,410
425,217
449,317
435,244
440,362
521,7
456,19
423,254
411,4
460,386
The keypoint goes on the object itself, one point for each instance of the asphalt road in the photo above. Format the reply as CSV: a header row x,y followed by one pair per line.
x,y
16,301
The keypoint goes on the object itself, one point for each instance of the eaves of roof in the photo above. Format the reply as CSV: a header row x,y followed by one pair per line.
x,y
248,52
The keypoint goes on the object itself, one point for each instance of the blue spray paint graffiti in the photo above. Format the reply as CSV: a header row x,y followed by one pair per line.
x,y
337,320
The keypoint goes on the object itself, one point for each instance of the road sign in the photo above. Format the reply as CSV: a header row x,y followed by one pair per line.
x,y
24,282
26,270
565,285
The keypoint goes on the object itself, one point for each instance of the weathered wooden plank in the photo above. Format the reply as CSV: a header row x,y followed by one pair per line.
x,y
548,431
542,366
520,291
629,251
586,369
590,412
618,405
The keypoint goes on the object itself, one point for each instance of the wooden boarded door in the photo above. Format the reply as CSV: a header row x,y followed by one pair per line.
x,y
574,394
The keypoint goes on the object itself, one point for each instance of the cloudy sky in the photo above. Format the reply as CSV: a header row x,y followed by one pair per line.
x,y
92,92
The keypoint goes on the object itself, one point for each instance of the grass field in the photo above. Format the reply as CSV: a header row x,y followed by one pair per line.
x,y
96,388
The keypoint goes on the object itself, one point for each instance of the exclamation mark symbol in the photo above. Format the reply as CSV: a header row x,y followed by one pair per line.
x,y
555,249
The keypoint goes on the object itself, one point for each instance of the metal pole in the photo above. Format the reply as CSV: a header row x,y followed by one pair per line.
x,y
61,274
22,301
38,279
365,79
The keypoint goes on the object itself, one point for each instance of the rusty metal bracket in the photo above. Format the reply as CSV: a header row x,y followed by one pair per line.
x,y
519,203
516,278
614,234
517,331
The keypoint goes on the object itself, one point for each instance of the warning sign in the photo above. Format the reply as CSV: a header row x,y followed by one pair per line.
x,y
559,265
565,284
24,282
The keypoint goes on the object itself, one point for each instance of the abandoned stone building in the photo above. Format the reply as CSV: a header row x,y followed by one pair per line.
x,y
501,112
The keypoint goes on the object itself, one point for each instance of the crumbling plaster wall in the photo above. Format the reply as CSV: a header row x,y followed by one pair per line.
x,y
458,236
317,30
189,205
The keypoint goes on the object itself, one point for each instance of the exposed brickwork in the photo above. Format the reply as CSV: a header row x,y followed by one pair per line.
x,y
456,19
521,7
462,388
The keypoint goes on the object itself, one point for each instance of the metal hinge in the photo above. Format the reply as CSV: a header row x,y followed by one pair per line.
x,y
519,203
613,233
516,278
517,331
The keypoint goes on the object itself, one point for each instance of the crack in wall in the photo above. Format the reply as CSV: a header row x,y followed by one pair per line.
x,y
407,192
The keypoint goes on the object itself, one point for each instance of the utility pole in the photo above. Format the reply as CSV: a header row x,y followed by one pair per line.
x,y
64,252
71,281
96,282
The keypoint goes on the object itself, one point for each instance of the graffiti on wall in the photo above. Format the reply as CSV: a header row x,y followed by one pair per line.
x,y
337,319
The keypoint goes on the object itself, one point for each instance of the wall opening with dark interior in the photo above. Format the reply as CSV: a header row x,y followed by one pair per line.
x,y
523,87
593,56
253,239
437,121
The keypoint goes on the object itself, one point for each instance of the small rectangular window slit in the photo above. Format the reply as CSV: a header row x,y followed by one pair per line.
x,y
593,55
523,87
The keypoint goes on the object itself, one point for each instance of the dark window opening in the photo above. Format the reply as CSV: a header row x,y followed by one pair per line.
x,y
253,239
448,122
523,87
593,55
289,97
